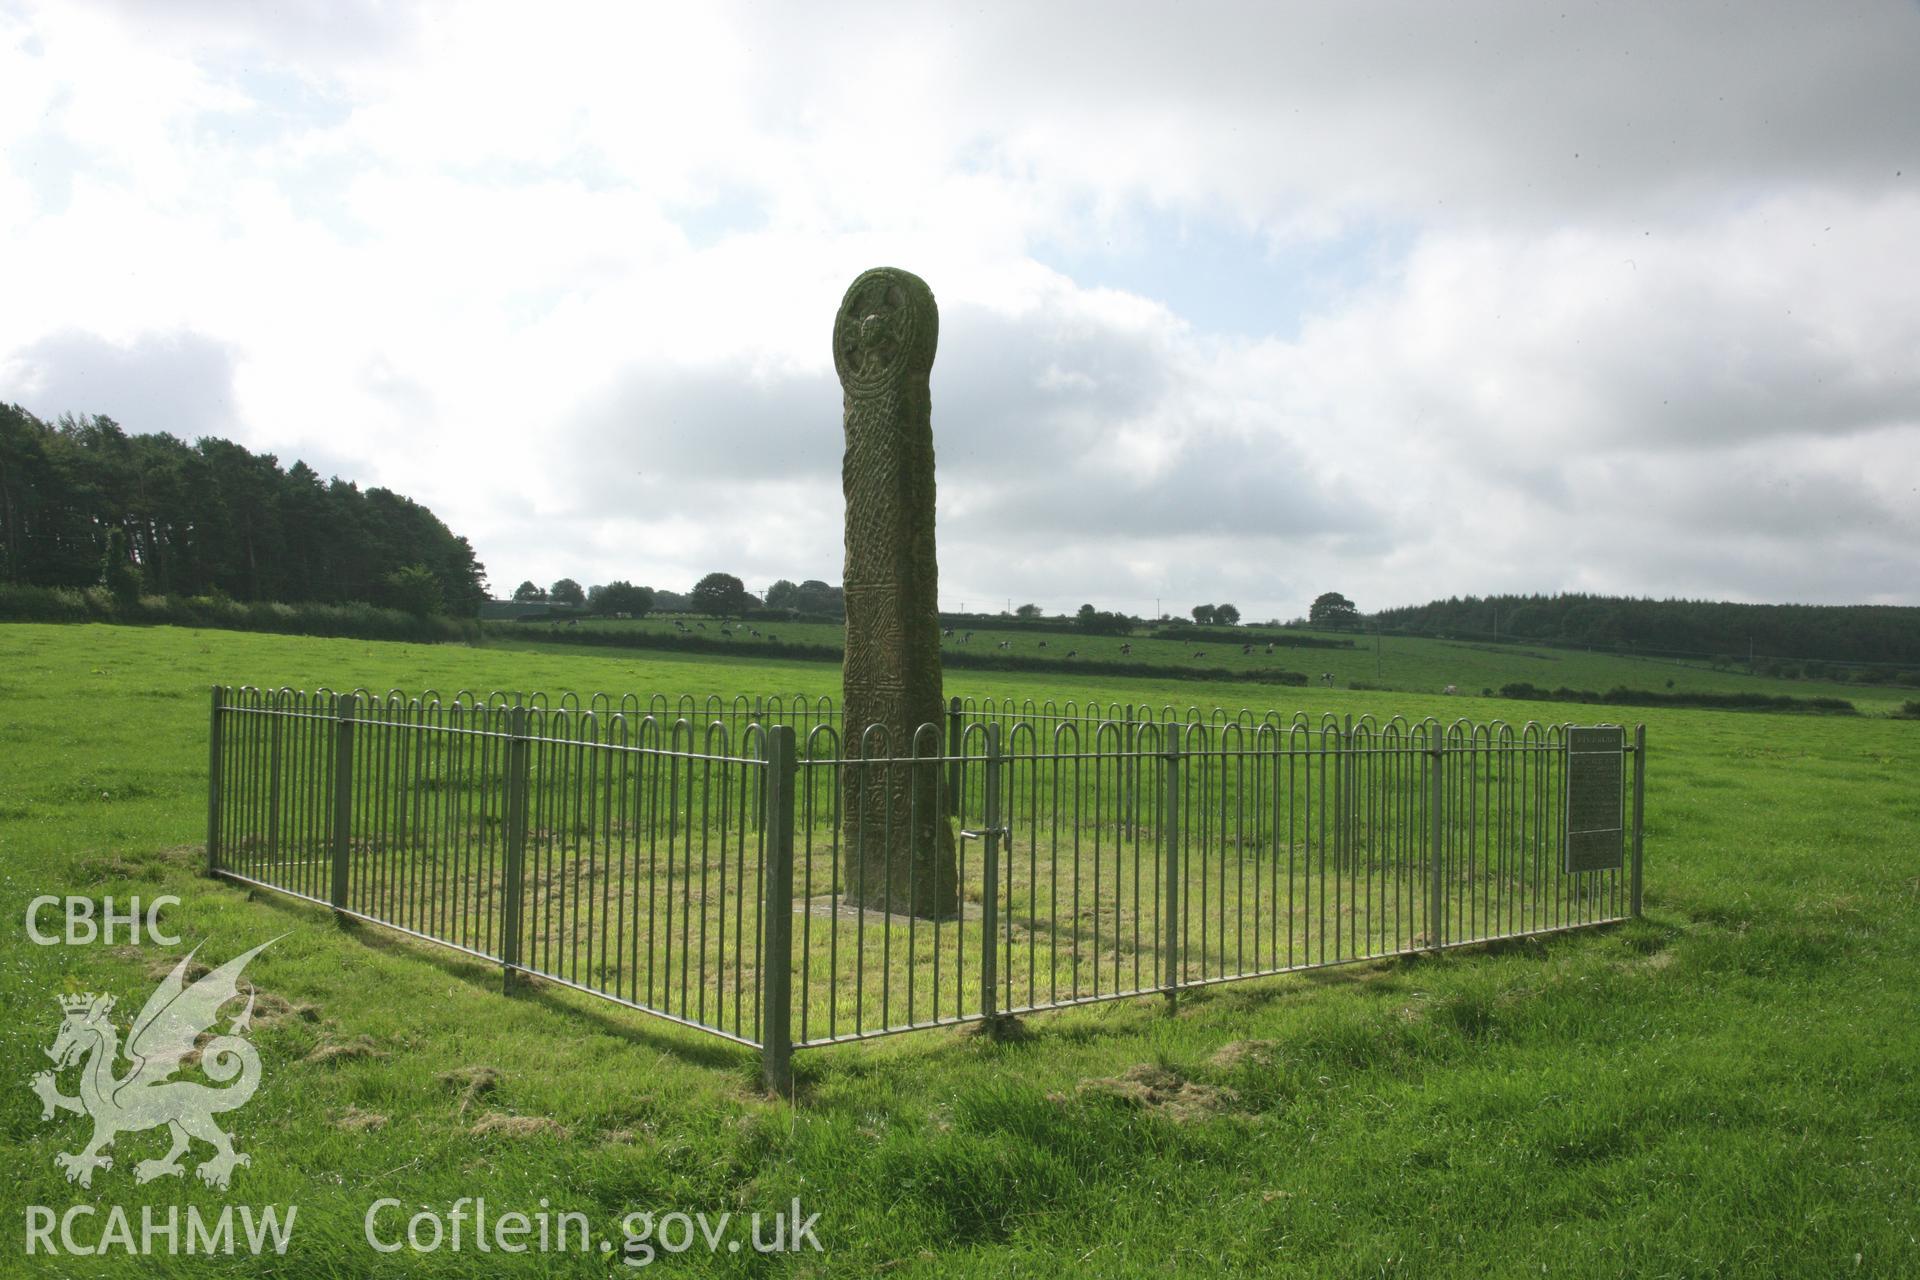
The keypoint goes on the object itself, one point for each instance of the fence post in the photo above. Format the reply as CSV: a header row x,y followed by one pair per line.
x,y
990,881
1170,823
954,731
776,946
1639,811
1436,845
513,878
342,797
214,766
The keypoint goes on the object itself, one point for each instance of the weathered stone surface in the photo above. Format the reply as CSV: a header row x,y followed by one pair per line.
x,y
897,843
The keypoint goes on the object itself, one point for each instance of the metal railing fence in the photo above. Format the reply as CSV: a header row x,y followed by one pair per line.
x,y
690,858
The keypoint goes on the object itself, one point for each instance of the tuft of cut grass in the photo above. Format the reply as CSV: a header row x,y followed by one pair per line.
x,y
518,1128
354,1120
1155,1087
344,1051
471,1083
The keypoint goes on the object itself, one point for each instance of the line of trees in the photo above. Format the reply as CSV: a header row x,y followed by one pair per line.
x,y
617,597
84,503
1216,615
1096,622
811,596
721,595
1840,633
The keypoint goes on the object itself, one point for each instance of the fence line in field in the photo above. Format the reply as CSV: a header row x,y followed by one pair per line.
x,y
690,857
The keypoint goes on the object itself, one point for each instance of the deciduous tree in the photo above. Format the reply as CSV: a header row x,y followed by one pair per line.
x,y
719,594
1331,609
620,597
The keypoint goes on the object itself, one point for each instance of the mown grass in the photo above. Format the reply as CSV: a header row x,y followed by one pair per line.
x,y
1726,1087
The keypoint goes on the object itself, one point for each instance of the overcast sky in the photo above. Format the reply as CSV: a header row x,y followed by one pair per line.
x,y
1238,302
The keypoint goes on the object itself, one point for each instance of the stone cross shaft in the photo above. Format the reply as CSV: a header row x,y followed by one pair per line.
x,y
897,843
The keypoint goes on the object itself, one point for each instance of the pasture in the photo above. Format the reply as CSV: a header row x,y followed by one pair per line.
x,y
1411,664
1727,1087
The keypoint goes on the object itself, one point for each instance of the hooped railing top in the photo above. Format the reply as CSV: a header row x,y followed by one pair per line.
x,y
735,727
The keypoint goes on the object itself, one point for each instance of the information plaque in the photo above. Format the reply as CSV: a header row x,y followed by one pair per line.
x,y
1596,791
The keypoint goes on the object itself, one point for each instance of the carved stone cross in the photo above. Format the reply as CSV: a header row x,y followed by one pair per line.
x,y
897,845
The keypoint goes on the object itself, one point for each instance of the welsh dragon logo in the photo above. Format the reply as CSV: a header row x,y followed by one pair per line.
x,y
173,1019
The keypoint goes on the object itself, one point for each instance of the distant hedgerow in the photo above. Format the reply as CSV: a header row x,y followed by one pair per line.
x,y
1618,696
634,638
357,621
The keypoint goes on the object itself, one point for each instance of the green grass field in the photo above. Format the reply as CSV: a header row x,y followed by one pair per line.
x,y
1727,1087
1394,663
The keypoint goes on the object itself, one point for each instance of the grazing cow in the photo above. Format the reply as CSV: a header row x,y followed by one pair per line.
x,y
1006,644
1200,653
947,634
1043,644
1073,653
728,634
1246,649
1126,649
1449,689
1269,648
753,632
967,638
701,625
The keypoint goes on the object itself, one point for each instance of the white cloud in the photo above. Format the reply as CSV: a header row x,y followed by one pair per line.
x,y
1632,302
180,383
